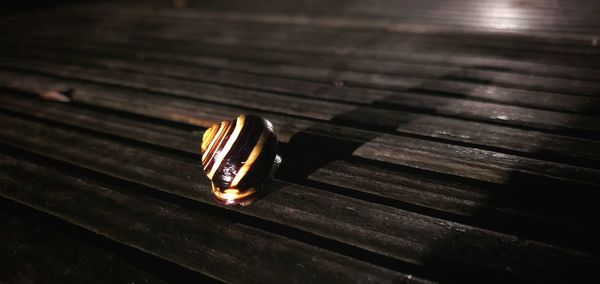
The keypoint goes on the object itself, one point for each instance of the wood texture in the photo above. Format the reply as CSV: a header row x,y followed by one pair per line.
x,y
422,141
190,238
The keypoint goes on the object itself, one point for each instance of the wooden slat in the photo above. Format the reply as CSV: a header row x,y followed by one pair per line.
x,y
491,112
60,18
207,28
394,149
422,94
525,142
506,209
537,11
187,236
451,197
462,108
396,76
32,252
329,20
210,14
368,227
421,140
367,61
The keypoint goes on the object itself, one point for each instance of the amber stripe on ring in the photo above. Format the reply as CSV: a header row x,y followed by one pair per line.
x,y
238,157
218,158
219,139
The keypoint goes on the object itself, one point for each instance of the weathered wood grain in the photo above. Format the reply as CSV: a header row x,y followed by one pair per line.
x,y
397,76
206,15
422,140
370,227
506,208
522,141
187,236
423,94
418,153
33,252
452,197
285,16
207,26
587,125
388,40
362,59
537,12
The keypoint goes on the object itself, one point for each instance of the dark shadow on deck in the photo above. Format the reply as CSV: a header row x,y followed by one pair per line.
x,y
526,206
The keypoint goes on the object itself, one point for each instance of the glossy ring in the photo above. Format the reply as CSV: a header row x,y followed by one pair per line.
x,y
239,156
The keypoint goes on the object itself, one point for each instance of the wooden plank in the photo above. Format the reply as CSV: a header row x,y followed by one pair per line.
x,y
421,190
554,147
467,162
183,234
418,153
507,208
324,20
312,22
311,108
32,251
375,228
446,161
425,94
457,13
387,41
212,93
388,75
175,136
532,10
185,141
360,60
402,14
541,23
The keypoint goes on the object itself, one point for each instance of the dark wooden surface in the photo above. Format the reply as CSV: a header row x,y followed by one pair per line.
x,y
423,141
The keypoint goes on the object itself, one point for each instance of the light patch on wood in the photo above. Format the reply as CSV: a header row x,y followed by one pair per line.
x,y
55,96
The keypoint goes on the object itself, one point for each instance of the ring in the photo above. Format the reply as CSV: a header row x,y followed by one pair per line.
x,y
239,156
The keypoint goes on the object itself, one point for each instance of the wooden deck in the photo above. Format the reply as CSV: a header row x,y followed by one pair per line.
x,y
423,141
